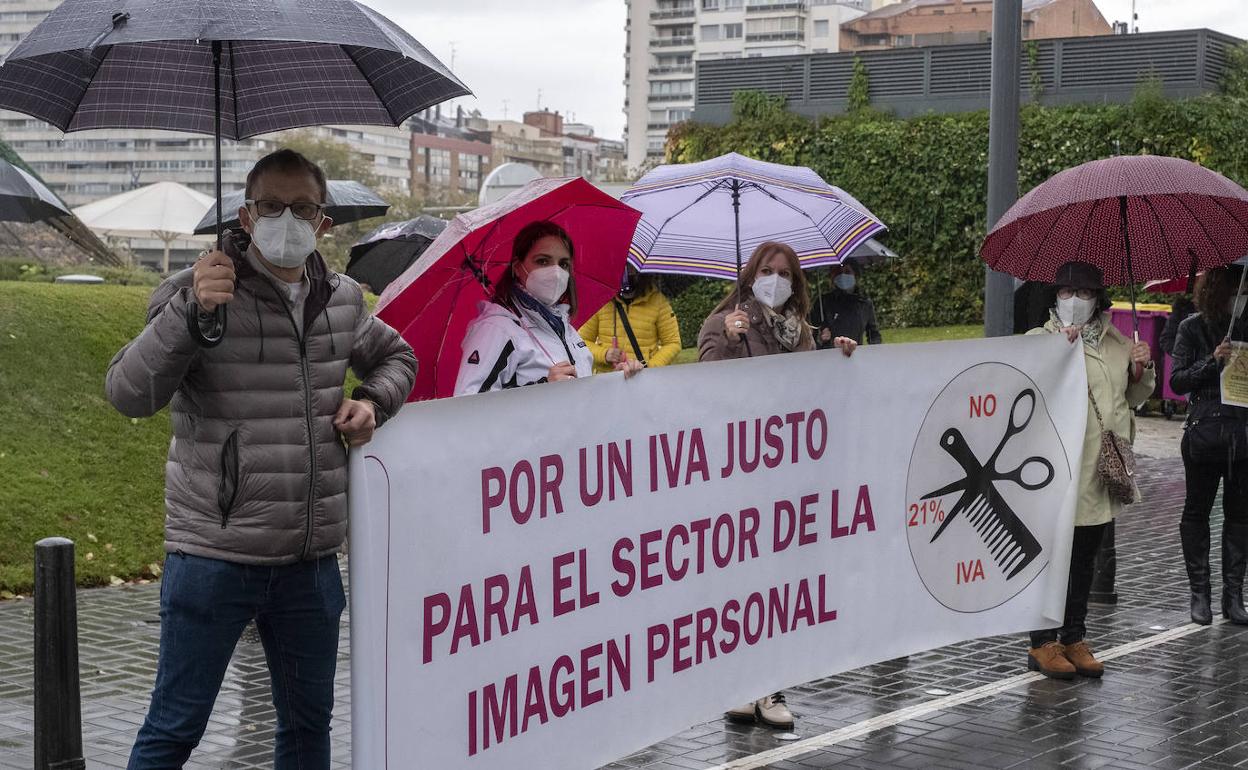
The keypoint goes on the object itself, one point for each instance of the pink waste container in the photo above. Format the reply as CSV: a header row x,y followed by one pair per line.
x,y
1152,322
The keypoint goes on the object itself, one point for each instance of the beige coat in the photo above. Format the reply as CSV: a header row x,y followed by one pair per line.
x,y
1109,380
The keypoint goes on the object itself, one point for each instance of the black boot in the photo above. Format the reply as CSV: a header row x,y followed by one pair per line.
x,y
1234,559
1195,537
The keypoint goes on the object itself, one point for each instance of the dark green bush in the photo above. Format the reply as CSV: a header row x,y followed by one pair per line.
x,y
926,177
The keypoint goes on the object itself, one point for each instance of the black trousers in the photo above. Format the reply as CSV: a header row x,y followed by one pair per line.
x,y
1082,564
1202,489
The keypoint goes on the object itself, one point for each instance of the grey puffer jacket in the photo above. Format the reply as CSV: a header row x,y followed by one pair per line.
x,y
257,473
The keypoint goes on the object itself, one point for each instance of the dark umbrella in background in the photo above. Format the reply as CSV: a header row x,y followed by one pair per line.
x,y
223,67
346,202
385,253
1136,217
23,198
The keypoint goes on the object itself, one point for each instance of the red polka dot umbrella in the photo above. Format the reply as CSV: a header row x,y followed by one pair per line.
x,y
1137,218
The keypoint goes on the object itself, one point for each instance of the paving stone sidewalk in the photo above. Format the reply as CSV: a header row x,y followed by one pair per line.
x,y
1181,704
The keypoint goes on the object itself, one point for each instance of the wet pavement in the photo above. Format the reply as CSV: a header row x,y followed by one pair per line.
x,y
1174,695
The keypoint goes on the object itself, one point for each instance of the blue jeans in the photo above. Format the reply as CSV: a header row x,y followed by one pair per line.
x,y
204,606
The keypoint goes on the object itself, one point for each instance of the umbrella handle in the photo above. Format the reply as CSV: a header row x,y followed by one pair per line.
x,y
220,318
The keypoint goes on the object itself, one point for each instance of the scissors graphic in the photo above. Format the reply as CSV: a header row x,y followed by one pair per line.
x,y
1012,545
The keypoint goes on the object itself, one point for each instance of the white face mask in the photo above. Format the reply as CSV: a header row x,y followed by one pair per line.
x,y
845,281
772,290
1075,311
285,241
547,284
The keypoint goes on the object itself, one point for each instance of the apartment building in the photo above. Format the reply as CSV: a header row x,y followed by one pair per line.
x,y
949,22
665,38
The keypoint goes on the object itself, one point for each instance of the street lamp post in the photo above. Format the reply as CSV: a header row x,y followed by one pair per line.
x,y
1007,32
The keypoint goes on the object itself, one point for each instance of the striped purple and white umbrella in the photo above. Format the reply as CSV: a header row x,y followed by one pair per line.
x,y
700,218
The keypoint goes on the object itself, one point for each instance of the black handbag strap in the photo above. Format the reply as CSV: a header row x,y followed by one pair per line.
x,y
1096,409
622,314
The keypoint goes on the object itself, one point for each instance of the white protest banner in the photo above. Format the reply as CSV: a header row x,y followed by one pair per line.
x,y
559,575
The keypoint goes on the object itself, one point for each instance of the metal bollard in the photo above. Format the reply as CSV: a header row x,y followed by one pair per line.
x,y
58,706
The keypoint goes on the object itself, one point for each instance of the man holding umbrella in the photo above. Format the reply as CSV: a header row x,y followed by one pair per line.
x,y
256,506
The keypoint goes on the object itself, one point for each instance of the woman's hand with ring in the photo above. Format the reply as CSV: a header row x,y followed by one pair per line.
x,y
735,324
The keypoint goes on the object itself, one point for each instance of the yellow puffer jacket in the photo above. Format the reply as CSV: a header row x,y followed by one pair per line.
x,y
653,322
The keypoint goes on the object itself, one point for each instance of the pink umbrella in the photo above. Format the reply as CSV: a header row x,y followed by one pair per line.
x,y
433,301
1168,286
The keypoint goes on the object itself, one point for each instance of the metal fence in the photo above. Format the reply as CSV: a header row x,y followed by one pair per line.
x,y
956,78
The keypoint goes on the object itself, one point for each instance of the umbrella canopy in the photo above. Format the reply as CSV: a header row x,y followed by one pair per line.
x,y
871,252
1167,286
166,211
25,199
149,64
1136,218
700,218
385,253
346,202
433,302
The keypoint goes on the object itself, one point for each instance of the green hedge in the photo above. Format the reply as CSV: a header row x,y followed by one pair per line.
x,y
926,177
13,269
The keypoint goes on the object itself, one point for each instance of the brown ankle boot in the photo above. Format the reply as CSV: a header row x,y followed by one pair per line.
x,y
1080,656
1049,660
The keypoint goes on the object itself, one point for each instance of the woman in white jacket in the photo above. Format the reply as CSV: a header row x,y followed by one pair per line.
x,y
525,335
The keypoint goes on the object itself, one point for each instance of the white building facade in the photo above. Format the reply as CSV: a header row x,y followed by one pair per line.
x,y
666,37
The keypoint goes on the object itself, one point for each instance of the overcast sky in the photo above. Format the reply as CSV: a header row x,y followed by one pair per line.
x,y
572,51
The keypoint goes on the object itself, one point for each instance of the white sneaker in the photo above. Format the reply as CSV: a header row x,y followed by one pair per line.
x,y
773,712
741,713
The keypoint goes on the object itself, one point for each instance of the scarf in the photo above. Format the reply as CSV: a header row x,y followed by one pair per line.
x,y
787,328
527,300
1091,332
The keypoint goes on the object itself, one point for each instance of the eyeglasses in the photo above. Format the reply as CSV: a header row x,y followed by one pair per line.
x,y
301,210
1066,293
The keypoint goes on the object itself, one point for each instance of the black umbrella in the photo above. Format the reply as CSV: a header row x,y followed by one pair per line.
x,y
223,67
346,202
23,198
385,253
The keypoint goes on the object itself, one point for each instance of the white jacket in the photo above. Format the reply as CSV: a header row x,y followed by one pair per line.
x,y
503,350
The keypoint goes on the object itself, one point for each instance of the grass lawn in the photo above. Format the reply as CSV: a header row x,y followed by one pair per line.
x,y
894,336
71,464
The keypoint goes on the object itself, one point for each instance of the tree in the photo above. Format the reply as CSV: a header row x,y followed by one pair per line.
x,y
335,158
339,161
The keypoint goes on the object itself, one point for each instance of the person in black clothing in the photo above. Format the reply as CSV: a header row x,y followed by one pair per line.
x,y
844,311
1179,311
1214,445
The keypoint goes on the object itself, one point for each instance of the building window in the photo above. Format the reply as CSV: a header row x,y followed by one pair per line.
x,y
734,5
710,5
772,24
733,31
709,32
676,116
821,28
665,87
